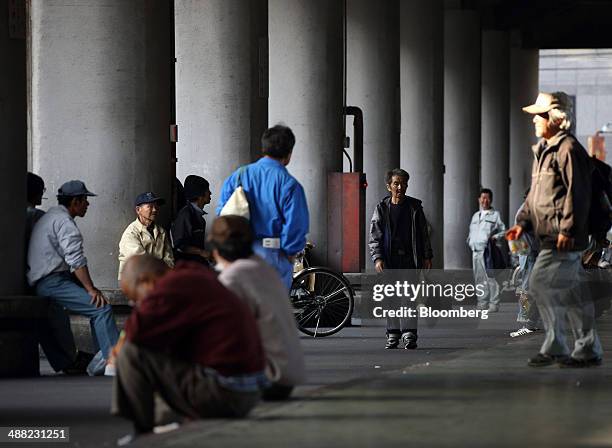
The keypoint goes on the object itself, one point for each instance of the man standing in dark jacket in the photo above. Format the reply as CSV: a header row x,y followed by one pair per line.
x,y
557,209
399,239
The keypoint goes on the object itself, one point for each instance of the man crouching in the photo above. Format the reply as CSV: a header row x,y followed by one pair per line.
x,y
189,340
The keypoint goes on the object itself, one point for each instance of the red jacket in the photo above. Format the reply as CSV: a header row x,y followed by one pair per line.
x,y
193,317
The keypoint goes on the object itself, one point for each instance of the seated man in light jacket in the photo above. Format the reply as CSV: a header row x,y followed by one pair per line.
x,y
261,288
144,236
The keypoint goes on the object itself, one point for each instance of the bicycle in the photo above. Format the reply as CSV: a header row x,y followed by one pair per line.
x,y
322,299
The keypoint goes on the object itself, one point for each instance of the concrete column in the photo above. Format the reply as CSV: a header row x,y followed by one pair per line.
x,y
495,118
524,64
461,131
306,94
101,83
421,61
221,86
372,85
13,146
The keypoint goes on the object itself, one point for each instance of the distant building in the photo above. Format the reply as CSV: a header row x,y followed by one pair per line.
x,y
586,75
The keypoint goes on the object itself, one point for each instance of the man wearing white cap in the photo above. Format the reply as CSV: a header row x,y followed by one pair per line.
x,y
58,267
557,209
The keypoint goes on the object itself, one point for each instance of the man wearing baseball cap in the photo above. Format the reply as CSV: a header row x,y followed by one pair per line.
x,y
58,268
189,226
557,209
144,236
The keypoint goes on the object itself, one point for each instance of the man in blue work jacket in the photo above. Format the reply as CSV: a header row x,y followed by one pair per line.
x,y
277,203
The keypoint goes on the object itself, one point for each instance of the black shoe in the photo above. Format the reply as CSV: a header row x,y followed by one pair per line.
x,y
392,340
570,362
542,360
409,339
79,365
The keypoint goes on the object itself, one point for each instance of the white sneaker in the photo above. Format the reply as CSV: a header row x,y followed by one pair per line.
x,y
521,332
162,429
126,440
110,370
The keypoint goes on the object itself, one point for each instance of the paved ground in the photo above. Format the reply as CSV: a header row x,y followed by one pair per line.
x,y
467,384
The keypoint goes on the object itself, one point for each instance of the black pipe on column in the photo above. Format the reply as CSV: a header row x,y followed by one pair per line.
x,y
357,114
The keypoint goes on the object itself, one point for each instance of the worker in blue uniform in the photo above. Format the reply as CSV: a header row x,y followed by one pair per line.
x,y
277,203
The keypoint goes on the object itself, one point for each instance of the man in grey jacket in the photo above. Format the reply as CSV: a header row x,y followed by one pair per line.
x,y
58,267
557,209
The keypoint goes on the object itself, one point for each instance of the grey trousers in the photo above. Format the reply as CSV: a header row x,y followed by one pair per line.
x,y
560,292
401,324
491,295
186,388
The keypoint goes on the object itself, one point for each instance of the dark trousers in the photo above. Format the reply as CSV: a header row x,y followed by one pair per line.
x,y
186,388
277,392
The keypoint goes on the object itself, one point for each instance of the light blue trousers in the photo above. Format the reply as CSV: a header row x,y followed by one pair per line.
x,y
61,290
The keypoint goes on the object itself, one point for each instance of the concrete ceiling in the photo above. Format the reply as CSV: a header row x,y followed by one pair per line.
x,y
551,24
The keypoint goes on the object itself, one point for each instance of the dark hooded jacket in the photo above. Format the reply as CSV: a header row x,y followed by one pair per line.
x,y
560,194
380,233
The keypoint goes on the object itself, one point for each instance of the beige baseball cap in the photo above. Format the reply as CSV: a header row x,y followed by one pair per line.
x,y
548,101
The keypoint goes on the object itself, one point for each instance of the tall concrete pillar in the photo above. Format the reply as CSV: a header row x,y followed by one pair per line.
x,y
13,146
421,62
495,118
524,64
372,85
221,86
461,131
101,84
306,94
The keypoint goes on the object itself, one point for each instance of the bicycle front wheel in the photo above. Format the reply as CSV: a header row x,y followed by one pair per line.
x,y
322,301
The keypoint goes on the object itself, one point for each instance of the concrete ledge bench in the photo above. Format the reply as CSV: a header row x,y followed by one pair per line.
x,y
20,320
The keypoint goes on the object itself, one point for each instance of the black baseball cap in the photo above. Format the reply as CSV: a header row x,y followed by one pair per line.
x,y
195,186
147,198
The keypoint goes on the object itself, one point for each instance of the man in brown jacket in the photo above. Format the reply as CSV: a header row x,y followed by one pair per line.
x,y
557,208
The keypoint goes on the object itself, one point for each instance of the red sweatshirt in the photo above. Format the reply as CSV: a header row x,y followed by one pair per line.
x,y
191,316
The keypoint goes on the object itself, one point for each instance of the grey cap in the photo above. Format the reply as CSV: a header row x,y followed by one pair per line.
x,y
74,188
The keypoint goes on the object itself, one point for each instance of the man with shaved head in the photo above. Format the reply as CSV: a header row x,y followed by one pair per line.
x,y
189,340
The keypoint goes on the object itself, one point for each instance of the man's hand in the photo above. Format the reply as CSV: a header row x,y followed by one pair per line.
x,y
97,298
564,243
380,265
427,264
514,233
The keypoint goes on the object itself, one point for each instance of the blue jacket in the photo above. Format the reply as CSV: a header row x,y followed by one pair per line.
x,y
277,203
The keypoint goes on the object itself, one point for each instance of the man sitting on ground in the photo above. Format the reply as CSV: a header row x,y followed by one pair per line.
x,y
189,226
188,339
58,269
36,188
144,236
261,288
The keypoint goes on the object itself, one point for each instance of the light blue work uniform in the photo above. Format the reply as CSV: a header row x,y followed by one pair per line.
x,y
484,225
278,209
